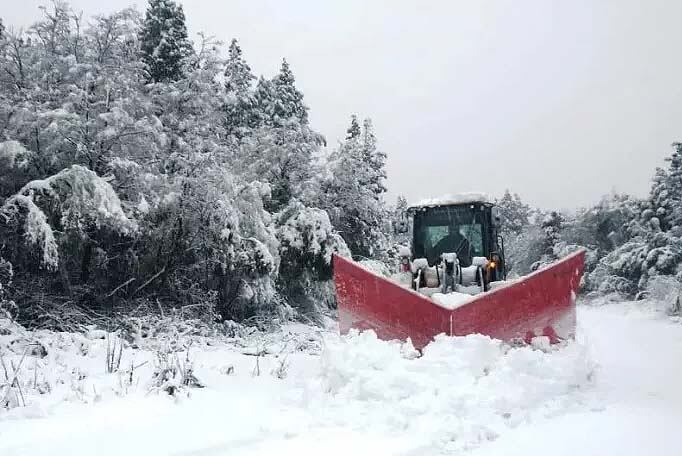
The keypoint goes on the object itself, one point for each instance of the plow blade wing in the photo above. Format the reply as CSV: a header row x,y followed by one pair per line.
x,y
539,304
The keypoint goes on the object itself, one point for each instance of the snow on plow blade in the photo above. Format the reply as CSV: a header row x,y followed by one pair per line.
x,y
539,304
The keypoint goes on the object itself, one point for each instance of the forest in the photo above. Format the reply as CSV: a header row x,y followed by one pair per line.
x,y
144,173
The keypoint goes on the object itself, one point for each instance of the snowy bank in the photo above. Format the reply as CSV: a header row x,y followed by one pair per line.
x,y
278,393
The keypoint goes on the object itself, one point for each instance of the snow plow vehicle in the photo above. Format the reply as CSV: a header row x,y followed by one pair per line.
x,y
453,280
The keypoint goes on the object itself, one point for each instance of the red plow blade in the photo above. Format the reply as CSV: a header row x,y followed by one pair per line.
x,y
539,304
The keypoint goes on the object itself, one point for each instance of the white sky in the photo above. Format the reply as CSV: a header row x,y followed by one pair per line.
x,y
560,101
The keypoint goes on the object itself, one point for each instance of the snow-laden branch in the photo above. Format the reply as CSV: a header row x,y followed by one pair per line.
x,y
75,198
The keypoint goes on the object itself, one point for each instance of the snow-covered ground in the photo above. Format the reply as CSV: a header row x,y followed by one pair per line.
x,y
639,380
614,391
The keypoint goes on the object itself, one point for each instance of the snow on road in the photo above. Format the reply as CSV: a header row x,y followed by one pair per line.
x,y
640,381
363,396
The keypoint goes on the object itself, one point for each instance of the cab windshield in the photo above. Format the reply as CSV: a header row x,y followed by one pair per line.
x,y
448,229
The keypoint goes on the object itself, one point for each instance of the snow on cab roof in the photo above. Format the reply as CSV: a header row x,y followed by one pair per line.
x,y
456,198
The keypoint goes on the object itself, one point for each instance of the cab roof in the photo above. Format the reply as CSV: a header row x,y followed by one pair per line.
x,y
453,199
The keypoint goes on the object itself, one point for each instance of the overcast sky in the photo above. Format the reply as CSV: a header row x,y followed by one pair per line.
x,y
560,101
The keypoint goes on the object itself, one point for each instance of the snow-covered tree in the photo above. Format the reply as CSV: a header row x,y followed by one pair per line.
x,y
74,200
401,204
551,226
307,242
7,306
211,234
283,157
353,193
674,189
603,226
164,43
654,247
279,100
524,250
658,212
115,191
238,76
399,230
514,213
375,177
83,109
277,145
14,159
400,213
241,111
60,219
354,130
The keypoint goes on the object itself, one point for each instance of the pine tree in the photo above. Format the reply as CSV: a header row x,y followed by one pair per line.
x,y
238,76
664,208
675,187
514,213
353,197
240,109
164,43
401,204
659,207
551,225
375,160
264,97
354,129
288,102
400,221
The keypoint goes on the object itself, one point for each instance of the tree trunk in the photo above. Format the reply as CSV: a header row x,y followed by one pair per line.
x,y
64,277
85,262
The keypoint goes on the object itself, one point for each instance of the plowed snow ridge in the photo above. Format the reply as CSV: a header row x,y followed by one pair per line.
x,y
363,396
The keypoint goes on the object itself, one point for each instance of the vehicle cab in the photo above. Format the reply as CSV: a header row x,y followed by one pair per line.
x,y
464,224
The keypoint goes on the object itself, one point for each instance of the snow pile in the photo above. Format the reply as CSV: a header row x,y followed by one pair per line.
x,y
361,396
479,261
502,283
462,392
456,198
282,392
404,251
376,267
450,257
451,300
419,263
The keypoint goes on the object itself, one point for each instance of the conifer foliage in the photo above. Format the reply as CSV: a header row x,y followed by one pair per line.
x,y
164,43
240,104
514,213
354,191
